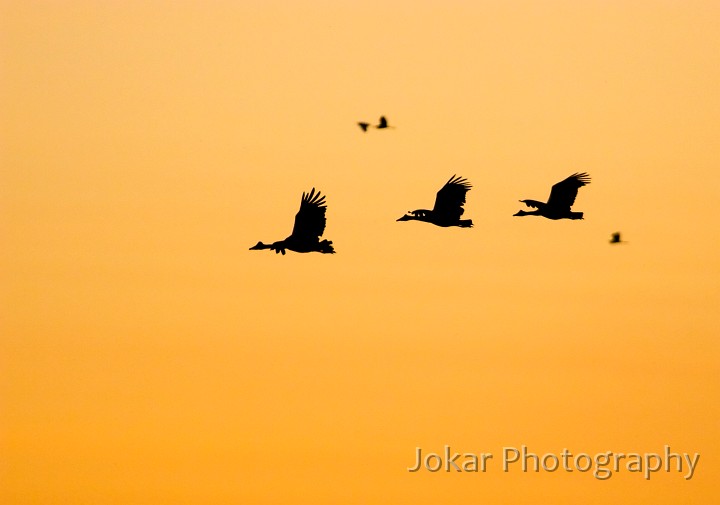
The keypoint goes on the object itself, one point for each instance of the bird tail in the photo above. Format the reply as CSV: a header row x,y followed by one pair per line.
x,y
465,223
326,247
576,215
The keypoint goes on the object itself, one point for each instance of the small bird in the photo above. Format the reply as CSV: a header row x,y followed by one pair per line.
x,y
383,123
615,239
448,206
562,197
364,126
309,227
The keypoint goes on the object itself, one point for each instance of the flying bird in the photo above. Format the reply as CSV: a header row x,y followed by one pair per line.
x,y
309,227
562,197
383,123
615,238
364,126
448,206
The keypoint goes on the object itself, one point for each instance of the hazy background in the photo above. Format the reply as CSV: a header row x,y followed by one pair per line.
x,y
148,357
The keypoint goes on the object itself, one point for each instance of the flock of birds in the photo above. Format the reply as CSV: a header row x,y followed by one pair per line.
x,y
448,209
382,124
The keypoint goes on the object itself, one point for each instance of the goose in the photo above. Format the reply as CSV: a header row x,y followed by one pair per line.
x,y
562,196
309,227
615,239
448,206
383,123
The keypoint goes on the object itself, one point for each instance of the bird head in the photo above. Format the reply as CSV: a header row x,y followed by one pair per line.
x,y
406,217
521,213
259,246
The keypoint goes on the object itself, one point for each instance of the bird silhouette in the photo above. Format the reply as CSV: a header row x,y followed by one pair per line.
x,y
383,123
615,239
309,227
448,206
562,197
364,126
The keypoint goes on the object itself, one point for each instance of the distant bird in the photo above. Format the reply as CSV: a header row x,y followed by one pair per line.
x,y
615,238
562,196
448,206
364,126
309,227
383,123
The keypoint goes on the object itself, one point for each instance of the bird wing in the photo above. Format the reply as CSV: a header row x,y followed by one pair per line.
x,y
310,219
451,197
563,194
364,126
383,122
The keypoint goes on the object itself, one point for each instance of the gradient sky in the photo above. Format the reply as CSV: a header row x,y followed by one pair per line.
x,y
148,357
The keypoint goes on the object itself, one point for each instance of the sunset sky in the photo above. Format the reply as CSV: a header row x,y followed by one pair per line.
x,y
148,357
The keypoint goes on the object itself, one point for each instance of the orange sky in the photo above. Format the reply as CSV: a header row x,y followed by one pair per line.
x,y
148,357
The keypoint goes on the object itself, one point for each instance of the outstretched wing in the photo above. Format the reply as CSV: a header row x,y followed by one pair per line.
x,y
383,122
451,198
563,194
310,219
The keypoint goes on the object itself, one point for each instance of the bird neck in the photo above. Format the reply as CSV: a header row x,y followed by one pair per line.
x,y
275,246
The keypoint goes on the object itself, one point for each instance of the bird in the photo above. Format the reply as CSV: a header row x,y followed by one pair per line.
x,y
562,196
364,126
383,123
448,206
615,239
309,227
